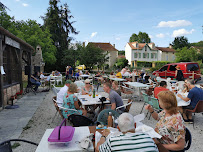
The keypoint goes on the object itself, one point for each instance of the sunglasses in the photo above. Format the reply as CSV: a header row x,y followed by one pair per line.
x,y
87,83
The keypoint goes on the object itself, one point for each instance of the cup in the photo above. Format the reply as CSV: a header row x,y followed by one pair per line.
x,y
90,94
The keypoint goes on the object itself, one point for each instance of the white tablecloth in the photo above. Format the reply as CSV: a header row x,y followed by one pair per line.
x,y
72,146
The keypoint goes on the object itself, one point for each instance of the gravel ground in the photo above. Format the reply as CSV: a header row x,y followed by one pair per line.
x,y
43,119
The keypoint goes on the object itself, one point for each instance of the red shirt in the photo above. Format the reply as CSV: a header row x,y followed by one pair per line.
x,y
157,90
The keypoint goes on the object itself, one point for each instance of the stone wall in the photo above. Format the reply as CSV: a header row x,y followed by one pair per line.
x,y
10,91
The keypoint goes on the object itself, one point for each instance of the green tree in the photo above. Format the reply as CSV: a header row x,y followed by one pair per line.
x,y
121,52
142,37
58,21
6,20
121,63
180,42
91,55
198,44
186,55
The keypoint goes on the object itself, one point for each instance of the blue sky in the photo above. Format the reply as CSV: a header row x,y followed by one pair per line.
x,y
114,21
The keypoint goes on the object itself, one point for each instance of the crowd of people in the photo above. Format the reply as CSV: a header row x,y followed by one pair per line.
x,y
170,121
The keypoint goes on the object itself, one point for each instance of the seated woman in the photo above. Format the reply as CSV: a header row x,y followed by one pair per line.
x,y
115,87
170,122
70,101
88,88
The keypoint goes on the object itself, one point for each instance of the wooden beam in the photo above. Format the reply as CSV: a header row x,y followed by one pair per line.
x,y
1,76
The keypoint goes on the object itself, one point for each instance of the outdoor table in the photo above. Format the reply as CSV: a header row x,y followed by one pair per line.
x,y
181,102
93,130
118,79
79,134
87,100
137,85
84,76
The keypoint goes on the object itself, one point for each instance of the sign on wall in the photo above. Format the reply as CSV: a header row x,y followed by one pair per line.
x,y
12,42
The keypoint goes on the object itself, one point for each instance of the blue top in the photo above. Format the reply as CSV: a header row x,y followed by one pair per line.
x,y
71,70
68,102
195,94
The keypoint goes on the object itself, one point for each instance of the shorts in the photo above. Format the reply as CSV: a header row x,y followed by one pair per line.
x,y
188,107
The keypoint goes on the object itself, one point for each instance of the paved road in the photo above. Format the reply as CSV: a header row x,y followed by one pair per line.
x,y
12,121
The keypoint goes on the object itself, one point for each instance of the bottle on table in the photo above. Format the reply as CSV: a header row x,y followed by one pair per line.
x,y
93,95
110,120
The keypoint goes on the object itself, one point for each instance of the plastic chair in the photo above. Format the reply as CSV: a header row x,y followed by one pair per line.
x,y
145,99
155,104
80,120
6,145
127,106
52,80
198,109
103,116
59,79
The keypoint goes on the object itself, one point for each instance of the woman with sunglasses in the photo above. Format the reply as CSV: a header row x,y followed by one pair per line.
x,y
88,88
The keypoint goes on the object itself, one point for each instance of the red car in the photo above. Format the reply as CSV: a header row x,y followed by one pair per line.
x,y
189,69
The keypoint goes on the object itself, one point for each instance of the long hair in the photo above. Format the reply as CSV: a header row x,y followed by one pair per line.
x,y
169,101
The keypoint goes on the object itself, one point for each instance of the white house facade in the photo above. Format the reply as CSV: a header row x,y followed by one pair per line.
x,y
148,52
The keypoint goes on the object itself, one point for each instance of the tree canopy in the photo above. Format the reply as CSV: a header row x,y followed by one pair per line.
x,y
121,63
58,21
186,55
180,42
142,37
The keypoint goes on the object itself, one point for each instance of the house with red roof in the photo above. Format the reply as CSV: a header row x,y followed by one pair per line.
x,y
135,51
111,51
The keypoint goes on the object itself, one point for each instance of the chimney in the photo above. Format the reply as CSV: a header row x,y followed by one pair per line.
x,y
170,46
114,45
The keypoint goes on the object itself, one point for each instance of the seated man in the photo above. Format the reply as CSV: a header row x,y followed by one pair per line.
x,y
195,94
114,97
35,80
57,73
128,140
162,87
62,92
118,74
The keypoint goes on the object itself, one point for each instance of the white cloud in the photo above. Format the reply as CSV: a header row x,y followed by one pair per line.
x,y
17,0
160,35
182,32
150,36
93,34
24,4
177,23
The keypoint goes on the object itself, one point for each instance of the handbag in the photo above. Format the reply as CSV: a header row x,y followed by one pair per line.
x,y
85,143
62,133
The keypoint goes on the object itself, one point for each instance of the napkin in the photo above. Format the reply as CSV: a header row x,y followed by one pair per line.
x,y
148,130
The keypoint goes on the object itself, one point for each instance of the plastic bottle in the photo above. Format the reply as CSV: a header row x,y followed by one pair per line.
x,y
110,120
93,93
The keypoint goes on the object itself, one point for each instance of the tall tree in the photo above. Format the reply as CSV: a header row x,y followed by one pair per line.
x,y
180,42
142,37
57,20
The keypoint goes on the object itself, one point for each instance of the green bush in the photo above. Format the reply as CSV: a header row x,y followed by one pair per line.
x,y
144,64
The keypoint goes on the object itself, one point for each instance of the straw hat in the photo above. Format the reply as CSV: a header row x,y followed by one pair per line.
x,y
87,81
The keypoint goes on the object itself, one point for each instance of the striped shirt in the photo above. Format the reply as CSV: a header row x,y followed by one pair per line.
x,y
129,142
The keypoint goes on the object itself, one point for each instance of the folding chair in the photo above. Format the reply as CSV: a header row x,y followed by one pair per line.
x,y
188,139
198,109
6,145
30,87
145,99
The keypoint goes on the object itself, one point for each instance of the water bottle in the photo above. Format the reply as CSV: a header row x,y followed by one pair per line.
x,y
110,120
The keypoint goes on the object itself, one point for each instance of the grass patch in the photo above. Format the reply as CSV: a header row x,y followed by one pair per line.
x,y
15,145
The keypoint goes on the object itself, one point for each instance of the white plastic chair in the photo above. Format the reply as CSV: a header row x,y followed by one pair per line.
x,y
124,105
52,81
59,79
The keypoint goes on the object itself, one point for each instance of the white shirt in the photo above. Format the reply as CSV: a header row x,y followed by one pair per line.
x,y
61,94
127,74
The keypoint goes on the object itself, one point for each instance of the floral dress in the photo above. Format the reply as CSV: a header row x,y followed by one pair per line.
x,y
68,102
170,128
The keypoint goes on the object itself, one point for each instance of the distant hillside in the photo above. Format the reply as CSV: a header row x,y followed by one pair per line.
x,y
199,44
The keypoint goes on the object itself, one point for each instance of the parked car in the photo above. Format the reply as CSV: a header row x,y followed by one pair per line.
x,y
189,69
